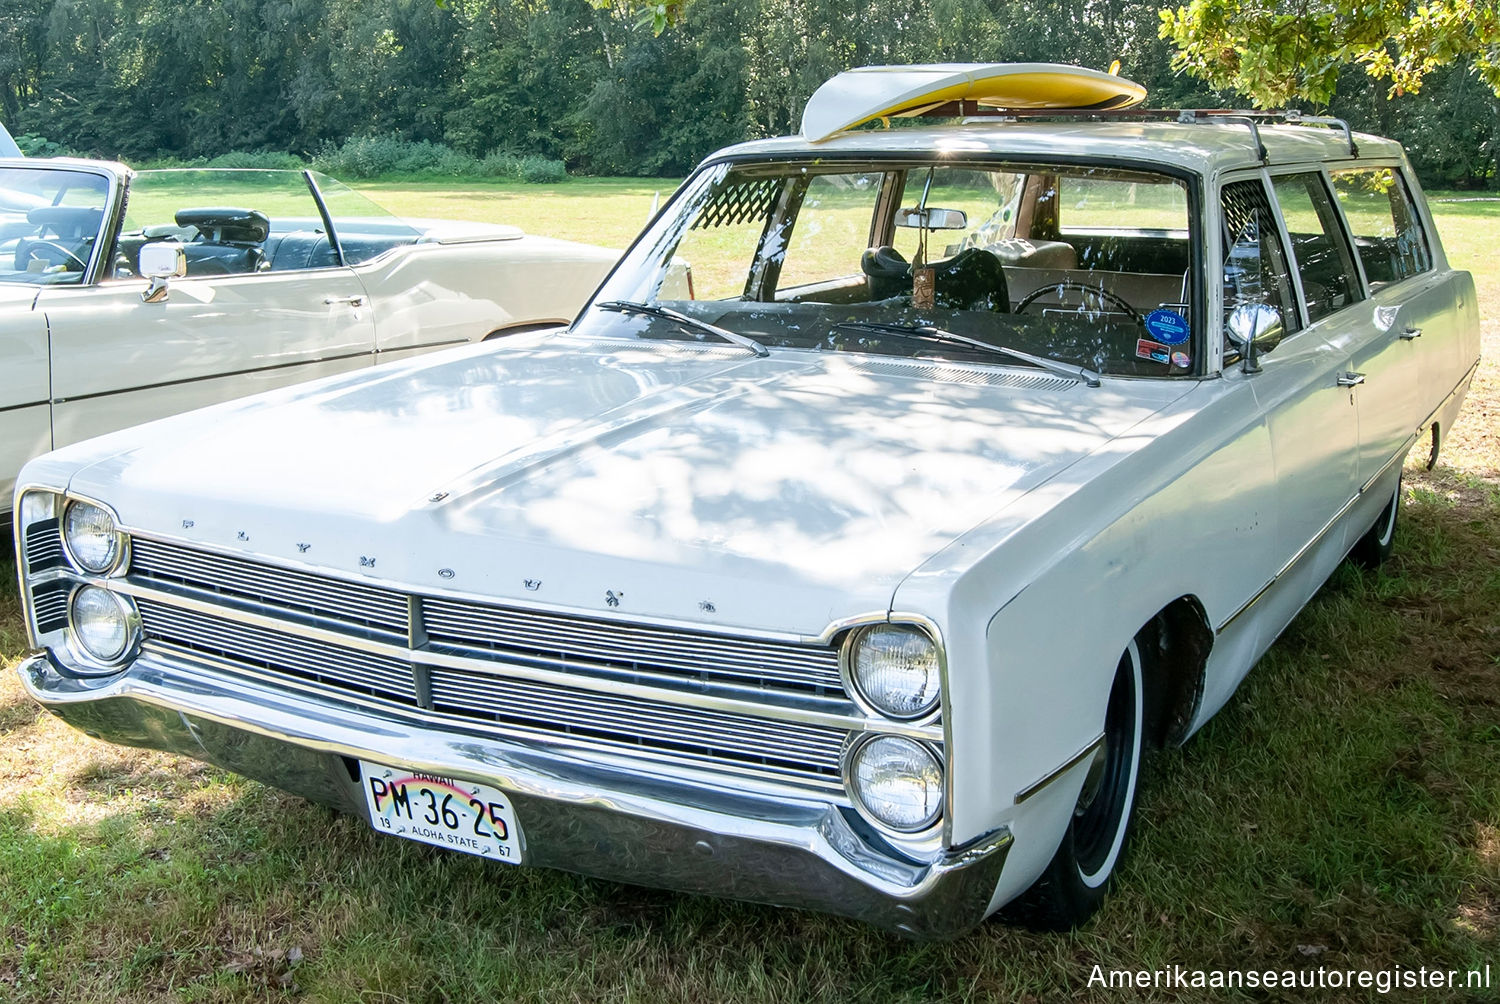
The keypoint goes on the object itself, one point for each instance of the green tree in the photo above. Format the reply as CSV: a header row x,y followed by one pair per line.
x,y
1276,53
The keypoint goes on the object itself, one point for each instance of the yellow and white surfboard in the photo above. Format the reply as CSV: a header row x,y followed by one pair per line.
x,y
870,92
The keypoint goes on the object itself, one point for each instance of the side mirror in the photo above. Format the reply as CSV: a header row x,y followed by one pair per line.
x,y
160,261
932,219
1250,327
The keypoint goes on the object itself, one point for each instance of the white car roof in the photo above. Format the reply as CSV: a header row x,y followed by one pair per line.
x,y
1204,147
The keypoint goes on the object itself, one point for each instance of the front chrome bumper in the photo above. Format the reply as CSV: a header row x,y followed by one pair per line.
x,y
598,820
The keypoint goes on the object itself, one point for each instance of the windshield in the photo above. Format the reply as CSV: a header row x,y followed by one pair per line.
x,y
1085,265
49,224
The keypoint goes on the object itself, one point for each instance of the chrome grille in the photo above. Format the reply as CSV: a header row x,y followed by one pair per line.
x,y
346,602
278,653
803,751
506,650
43,546
550,637
50,605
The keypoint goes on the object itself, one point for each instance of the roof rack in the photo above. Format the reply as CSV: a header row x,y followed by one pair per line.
x,y
1250,119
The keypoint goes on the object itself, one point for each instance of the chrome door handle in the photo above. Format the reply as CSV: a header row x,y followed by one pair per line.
x,y
353,301
1410,333
1351,379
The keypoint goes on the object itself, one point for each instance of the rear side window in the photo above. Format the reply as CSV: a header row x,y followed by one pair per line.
x,y
1383,221
1318,245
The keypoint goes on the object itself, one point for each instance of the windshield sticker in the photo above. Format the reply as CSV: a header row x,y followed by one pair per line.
x,y
1167,326
1155,351
1181,359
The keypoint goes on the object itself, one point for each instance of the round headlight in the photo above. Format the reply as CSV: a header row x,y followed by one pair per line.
x,y
101,623
898,782
895,669
91,537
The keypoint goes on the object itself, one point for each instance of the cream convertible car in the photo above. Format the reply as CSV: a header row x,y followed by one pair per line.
x,y
261,279
854,573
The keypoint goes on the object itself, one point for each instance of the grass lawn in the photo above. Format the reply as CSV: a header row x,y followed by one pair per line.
x,y
1343,810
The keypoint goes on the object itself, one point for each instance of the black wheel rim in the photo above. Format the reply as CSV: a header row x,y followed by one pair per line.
x,y
1096,824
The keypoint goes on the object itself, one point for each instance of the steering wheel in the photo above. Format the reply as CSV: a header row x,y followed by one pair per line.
x,y
1113,299
33,242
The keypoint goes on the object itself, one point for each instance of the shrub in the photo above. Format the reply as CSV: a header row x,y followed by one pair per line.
x,y
265,160
541,171
32,145
379,156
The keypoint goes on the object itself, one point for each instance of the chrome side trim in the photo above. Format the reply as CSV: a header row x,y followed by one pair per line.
x,y
1073,761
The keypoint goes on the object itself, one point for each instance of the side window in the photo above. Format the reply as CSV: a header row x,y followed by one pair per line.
x,y
230,222
832,230
1255,263
1387,233
1318,245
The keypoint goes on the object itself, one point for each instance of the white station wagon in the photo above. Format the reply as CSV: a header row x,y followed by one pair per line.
x,y
896,491
126,296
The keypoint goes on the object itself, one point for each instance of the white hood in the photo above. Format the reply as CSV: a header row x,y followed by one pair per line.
x,y
697,484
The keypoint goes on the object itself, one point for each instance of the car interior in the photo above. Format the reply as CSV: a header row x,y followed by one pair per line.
x,y
229,240
1080,288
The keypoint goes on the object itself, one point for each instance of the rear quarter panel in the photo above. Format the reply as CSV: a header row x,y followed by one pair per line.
x,y
426,295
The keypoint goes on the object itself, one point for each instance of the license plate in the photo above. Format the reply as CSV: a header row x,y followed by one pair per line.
x,y
445,811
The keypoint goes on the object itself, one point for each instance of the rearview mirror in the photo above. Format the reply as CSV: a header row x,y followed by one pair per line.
x,y
932,219
160,261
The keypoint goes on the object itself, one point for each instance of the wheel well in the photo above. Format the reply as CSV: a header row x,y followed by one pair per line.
x,y
521,329
1174,647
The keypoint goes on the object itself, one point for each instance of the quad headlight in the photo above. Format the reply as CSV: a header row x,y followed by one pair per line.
x,y
102,624
898,782
895,670
92,539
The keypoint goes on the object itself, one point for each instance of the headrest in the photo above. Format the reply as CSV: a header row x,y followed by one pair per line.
x,y
885,263
1034,254
227,225
70,221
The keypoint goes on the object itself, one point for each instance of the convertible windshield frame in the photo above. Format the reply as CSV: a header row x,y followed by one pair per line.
x,y
109,218
1192,185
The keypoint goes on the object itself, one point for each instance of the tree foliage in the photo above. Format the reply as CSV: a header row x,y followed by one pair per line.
x,y
1277,53
600,85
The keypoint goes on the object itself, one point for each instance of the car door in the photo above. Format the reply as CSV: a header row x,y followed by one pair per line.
x,y
51,216
265,303
1311,420
25,416
1409,302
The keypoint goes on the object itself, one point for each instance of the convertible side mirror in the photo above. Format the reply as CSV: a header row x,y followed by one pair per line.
x,y
1250,327
160,261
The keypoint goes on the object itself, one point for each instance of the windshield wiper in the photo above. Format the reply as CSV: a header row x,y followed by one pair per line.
x,y
1080,373
652,310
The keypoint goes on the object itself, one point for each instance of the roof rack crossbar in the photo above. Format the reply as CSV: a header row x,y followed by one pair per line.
x,y
1294,117
1235,116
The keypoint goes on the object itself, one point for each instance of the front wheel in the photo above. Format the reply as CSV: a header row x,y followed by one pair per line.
x,y
1081,872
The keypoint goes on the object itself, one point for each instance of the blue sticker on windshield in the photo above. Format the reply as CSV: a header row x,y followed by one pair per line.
x,y
1167,326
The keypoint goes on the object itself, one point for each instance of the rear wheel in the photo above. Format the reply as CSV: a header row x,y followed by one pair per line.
x,y
1371,550
1082,871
